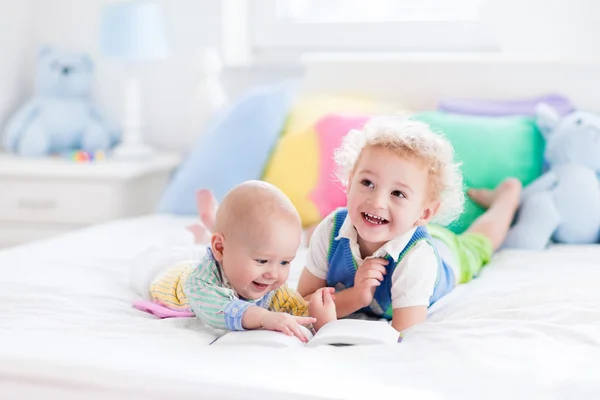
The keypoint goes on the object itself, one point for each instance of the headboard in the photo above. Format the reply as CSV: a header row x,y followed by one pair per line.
x,y
418,82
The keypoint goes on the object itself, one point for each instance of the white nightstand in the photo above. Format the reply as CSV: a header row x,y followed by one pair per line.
x,y
44,197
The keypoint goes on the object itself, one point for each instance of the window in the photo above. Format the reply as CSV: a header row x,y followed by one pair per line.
x,y
373,11
289,28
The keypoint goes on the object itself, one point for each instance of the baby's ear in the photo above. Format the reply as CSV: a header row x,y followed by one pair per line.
x,y
217,245
428,213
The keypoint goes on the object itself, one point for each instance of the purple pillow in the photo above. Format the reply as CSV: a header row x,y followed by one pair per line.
x,y
497,108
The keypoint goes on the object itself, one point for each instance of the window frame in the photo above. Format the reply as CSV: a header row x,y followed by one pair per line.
x,y
252,33
271,39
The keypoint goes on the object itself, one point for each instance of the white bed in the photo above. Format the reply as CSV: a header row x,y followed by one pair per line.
x,y
529,327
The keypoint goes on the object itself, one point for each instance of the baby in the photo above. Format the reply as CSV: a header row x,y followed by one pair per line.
x,y
380,253
240,282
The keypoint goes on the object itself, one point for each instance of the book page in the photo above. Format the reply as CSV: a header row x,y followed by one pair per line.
x,y
261,337
355,332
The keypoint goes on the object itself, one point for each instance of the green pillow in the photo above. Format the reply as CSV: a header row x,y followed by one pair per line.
x,y
490,150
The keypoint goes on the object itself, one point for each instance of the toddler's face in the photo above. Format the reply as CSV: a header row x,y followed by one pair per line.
x,y
261,262
388,194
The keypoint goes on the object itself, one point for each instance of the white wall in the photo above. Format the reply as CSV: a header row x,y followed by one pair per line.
x,y
532,28
14,44
168,86
564,29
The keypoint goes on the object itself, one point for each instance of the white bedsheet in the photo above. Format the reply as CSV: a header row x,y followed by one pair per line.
x,y
529,327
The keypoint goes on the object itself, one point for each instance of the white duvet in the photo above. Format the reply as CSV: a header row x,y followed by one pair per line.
x,y
529,327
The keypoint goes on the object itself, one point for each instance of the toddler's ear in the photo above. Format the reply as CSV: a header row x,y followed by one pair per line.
x,y
217,242
428,213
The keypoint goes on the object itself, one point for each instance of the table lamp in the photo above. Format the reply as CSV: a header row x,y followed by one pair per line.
x,y
133,32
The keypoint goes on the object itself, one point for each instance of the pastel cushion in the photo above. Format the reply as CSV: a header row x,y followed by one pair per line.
x,y
490,150
301,165
235,147
329,193
294,167
309,108
524,107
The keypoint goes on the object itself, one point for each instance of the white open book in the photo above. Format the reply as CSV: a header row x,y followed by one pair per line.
x,y
336,333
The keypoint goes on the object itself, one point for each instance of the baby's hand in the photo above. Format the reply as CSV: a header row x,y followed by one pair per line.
x,y
322,307
286,323
368,276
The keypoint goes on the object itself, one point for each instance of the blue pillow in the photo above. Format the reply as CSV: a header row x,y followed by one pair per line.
x,y
234,148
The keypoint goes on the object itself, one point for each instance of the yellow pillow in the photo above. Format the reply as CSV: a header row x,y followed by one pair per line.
x,y
308,109
294,163
294,168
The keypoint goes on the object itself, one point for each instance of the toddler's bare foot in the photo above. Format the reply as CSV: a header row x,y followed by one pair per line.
x,y
207,208
508,192
200,232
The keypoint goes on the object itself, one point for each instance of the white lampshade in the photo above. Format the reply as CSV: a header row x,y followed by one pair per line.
x,y
133,31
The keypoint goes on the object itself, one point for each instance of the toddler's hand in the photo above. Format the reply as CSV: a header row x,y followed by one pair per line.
x,y
286,323
322,307
368,276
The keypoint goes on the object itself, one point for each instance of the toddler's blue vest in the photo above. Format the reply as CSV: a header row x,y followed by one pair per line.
x,y
342,269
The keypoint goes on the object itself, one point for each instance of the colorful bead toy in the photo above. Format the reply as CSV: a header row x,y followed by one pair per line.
x,y
81,156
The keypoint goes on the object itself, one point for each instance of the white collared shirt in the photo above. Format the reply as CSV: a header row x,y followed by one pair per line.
x,y
413,280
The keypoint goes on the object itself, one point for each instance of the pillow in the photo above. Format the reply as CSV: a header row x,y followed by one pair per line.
x,y
294,166
524,106
309,108
329,193
302,166
490,150
234,147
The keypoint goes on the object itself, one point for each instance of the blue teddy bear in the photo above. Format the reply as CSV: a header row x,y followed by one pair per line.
x,y
61,116
563,205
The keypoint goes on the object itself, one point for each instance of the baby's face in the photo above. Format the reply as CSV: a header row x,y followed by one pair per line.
x,y
261,263
387,195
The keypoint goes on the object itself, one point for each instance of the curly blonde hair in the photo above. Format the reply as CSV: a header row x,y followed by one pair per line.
x,y
413,139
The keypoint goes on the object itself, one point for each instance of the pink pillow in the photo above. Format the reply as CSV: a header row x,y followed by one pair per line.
x,y
329,193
